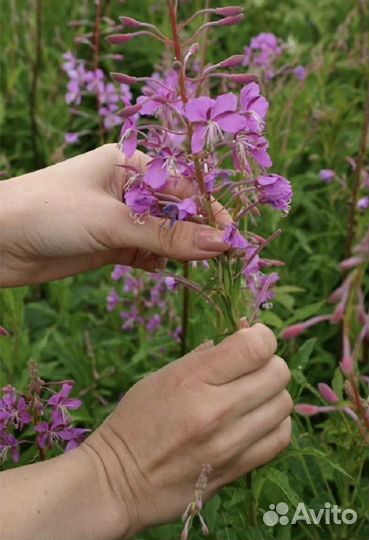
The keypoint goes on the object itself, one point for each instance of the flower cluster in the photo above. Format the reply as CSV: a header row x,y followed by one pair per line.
x,y
205,146
42,417
143,300
263,53
84,83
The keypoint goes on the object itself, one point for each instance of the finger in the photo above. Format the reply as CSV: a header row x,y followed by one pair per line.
x,y
243,352
222,216
257,423
262,451
252,390
183,241
203,346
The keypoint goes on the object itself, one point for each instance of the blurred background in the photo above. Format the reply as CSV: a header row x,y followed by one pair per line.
x,y
316,79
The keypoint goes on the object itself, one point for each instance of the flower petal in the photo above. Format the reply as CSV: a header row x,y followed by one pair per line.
x,y
157,174
231,122
198,138
196,109
224,103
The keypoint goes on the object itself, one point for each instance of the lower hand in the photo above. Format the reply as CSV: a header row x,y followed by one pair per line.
x,y
224,405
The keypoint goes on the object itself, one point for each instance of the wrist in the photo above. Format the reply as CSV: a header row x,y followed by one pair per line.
x,y
111,501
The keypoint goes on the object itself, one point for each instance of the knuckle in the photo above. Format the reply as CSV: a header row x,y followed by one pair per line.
x,y
283,436
287,403
266,337
280,371
171,237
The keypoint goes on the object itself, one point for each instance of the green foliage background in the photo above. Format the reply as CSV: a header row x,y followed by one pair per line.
x,y
312,126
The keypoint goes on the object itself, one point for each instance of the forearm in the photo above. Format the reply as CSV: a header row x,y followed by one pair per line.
x,y
63,498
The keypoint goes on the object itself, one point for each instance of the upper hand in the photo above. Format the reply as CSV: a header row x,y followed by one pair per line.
x,y
69,218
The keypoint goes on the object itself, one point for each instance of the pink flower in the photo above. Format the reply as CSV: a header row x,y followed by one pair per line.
x,y
306,409
186,208
275,190
210,117
234,238
327,175
140,199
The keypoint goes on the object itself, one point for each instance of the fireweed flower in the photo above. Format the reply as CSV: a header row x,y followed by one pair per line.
x,y
144,296
55,433
234,238
9,443
211,117
13,410
327,175
189,136
61,403
274,190
48,416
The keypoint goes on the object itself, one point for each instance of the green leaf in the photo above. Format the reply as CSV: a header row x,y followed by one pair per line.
x,y
302,357
272,319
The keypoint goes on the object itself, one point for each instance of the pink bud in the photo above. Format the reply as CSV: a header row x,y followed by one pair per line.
x,y
347,264
3,331
229,11
122,78
327,393
232,61
230,21
116,39
347,365
129,22
306,409
243,78
293,331
194,49
129,111
339,312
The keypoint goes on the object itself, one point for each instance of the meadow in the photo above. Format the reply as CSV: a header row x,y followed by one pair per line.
x,y
105,329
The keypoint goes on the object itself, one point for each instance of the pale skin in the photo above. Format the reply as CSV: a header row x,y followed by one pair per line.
x,y
224,405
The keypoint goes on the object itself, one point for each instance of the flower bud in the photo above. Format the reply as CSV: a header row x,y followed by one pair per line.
x,y
327,393
122,78
3,331
230,21
130,111
116,39
232,61
229,11
243,78
293,331
129,22
347,365
306,409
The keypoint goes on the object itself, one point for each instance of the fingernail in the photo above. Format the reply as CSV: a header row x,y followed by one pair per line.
x,y
211,240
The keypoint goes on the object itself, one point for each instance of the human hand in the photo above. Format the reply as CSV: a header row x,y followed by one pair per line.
x,y
223,405
70,218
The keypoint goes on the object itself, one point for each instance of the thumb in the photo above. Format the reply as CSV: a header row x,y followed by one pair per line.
x,y
182,240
